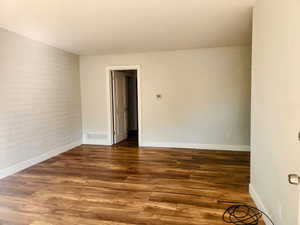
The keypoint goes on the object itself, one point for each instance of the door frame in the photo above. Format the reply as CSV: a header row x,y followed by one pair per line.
x,y
109,89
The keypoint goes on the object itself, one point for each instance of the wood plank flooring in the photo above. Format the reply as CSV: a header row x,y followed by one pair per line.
x,y
123,184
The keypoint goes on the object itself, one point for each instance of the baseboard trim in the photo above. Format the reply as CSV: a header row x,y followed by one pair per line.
x,y
259,203
35,160
95,142
244,148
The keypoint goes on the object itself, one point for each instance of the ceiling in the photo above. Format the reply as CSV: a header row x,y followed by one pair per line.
x,y
89,27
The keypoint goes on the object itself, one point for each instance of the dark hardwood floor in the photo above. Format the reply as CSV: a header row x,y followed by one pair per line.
x,y
131,141
123,184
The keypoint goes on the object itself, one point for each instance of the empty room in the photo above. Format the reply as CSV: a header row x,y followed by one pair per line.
x,y
127,112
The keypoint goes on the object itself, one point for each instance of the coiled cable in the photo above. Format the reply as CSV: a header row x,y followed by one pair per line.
x,y
242,214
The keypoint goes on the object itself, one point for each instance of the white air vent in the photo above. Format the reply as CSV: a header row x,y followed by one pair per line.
x,y
94,135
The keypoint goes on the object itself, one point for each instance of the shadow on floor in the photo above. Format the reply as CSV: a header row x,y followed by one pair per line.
x,y
131,141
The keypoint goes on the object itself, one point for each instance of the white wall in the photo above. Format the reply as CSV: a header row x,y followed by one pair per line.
x,y
205,96
275,108
40,109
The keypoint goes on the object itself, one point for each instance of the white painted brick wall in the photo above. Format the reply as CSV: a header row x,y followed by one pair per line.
x,y
39,99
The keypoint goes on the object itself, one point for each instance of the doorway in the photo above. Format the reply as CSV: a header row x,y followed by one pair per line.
x,y
124,115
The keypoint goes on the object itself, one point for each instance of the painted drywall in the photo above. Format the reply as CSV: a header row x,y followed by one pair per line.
x,y
101,26
40,101
276,109
205,97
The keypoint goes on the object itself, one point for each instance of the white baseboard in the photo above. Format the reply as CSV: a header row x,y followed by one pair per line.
x,y
245,148
95,141
35,160
259,203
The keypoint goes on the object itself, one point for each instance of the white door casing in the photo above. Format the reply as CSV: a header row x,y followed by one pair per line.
x,y
109,93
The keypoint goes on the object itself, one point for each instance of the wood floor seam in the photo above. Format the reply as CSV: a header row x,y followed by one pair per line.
x,y
126,185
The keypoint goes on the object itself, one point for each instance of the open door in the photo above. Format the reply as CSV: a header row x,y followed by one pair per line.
x,y
119,106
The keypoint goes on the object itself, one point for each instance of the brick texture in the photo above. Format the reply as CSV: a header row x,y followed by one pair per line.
x,y
40,107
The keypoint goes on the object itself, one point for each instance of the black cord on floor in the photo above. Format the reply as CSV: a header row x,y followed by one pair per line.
x,y
242,214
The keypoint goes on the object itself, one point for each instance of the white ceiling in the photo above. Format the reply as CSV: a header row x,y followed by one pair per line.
x,y
119,26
